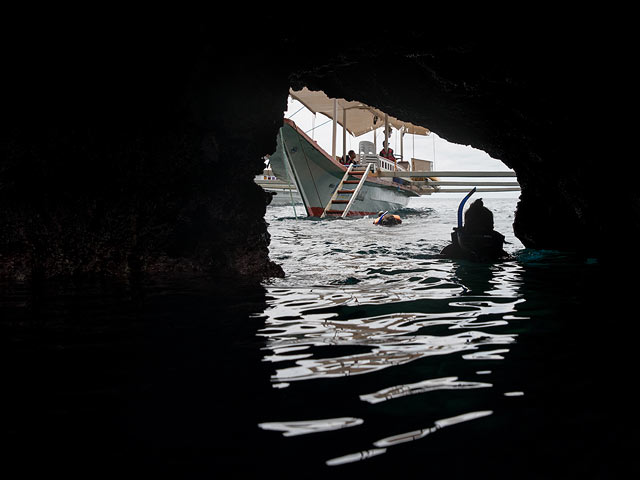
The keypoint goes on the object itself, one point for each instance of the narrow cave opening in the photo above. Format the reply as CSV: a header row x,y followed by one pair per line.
x,y
291,181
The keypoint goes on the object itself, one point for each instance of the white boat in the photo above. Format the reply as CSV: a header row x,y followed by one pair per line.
x,y
326,185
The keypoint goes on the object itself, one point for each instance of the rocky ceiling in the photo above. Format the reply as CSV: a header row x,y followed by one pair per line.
x,y
131,147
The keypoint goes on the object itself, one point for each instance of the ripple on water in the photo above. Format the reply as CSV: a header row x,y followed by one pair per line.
x,y
359,302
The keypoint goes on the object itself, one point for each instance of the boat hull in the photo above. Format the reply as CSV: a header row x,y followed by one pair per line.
x,y
316,176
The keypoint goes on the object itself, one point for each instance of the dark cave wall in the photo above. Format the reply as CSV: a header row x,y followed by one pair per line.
x,y
131,155
135,152
537,99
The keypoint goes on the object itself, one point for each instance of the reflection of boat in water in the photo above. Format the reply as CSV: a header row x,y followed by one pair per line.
x,y
329,187
283,191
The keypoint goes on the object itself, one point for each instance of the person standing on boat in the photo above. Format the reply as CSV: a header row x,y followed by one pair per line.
x,y
387,152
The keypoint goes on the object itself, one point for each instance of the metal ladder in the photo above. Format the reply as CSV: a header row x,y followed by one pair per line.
x,y
328,210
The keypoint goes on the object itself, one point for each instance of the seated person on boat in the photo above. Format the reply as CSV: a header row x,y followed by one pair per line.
x,y
350,158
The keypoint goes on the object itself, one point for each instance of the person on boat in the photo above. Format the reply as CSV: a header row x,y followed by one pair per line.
x,y
387,220
350,158
476,240
387,152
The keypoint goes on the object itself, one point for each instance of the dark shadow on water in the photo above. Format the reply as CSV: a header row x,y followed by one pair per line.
x,y
154,378
169,378
578,360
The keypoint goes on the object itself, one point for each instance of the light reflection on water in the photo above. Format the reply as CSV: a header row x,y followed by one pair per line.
x,y
291,429
390,346
355,365
397,391
360,299
438,424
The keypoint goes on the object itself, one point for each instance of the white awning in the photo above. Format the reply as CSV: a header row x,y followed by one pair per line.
x,y
361,118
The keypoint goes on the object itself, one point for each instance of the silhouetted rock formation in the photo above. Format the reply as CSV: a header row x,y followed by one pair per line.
x,y
130,148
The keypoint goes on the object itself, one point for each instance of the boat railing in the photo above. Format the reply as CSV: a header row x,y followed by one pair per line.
x,y
367,154
379,162
386,164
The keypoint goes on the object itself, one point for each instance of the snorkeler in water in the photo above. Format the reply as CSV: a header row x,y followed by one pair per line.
x,y
387,220
476,240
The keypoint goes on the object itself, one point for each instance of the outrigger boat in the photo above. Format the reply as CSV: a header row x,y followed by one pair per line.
x,y
326,185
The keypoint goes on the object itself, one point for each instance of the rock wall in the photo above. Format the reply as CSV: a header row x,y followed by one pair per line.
x,y
133,150
135,153
541,103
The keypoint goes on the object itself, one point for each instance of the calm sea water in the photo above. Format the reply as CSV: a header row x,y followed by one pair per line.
x,y
372,357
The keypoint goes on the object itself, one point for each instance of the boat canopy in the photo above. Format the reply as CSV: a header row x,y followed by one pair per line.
x,y
360,118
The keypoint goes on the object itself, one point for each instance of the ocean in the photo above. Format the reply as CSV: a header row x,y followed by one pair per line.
x,y
397,360
372,357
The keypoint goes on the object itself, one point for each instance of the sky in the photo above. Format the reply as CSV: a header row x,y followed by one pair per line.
x,y
446,155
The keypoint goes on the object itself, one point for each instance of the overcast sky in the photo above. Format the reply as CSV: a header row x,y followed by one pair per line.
x,y
447,155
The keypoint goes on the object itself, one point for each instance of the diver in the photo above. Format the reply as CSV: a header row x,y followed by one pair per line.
x,y
387,220
476,240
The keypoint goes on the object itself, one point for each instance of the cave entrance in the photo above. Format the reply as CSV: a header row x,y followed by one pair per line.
x,y
312,148
322,136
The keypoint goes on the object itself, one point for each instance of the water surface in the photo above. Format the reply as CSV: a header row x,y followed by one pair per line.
x,y
373,357
385,356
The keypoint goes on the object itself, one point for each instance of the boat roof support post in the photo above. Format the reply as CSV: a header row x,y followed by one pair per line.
x,y
402,144
375,140
413,150
344,133
386,131
335,128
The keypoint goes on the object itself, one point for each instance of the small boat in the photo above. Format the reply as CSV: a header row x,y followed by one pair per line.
x,y
329,187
